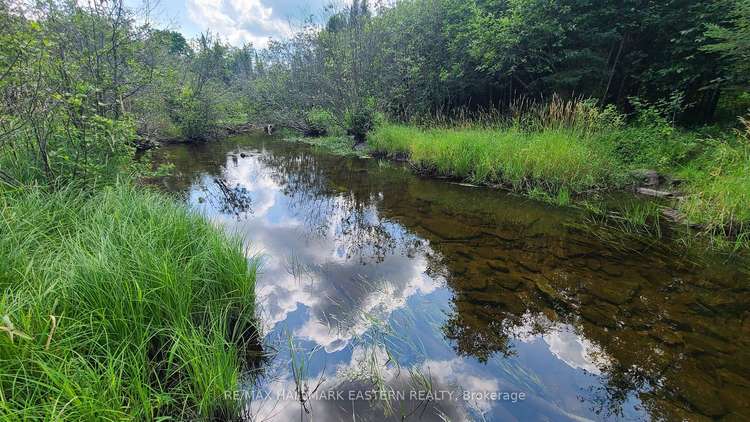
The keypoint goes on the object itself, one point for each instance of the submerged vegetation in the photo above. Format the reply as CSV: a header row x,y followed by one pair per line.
x,y
338,145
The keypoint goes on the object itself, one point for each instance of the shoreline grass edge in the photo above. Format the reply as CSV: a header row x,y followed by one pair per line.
x,y
557,164
119,304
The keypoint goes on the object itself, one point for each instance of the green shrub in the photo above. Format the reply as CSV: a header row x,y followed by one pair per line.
x,y
361,119
100,151
73,145
652,145
195,114
319,122
652,140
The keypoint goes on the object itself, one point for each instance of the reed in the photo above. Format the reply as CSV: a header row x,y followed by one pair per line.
x,y
718,192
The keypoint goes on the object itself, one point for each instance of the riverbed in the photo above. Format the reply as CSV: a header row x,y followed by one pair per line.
x,y
386,296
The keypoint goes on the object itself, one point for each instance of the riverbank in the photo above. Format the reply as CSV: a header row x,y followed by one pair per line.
x,y
703,177
145,142
560,164
556,161
118,304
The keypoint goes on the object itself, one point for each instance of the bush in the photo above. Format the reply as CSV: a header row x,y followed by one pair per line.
x,y
101,150
361,119
72,145
652,145
319,122
194,113
652,140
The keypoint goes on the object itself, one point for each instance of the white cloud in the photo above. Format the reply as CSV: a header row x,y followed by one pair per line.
x,y
239,21
564,343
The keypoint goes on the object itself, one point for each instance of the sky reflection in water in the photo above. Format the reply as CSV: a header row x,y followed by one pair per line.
x,y
378,279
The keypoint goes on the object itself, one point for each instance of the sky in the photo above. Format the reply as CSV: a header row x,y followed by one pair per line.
x,y
236,21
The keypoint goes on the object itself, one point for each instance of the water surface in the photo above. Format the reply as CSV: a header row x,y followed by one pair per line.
x,y
384,296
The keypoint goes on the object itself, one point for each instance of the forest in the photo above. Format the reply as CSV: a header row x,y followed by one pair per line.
x,y
562,101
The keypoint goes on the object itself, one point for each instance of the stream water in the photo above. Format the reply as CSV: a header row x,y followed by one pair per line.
x,y
385,296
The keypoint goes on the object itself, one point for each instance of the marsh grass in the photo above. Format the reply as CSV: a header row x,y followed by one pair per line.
x,y
562,151
551,160
550,149
718,193
529,114
124,306
634,217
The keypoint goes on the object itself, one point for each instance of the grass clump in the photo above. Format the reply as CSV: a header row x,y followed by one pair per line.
x,y
630,216
718,191
118,304
554,160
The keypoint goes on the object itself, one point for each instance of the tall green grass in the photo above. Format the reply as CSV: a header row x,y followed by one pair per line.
x,y
718,191
562,148
118,304
553,159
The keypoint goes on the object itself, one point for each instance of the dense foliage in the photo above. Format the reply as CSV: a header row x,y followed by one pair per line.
x,y
427,57
504,92
80,86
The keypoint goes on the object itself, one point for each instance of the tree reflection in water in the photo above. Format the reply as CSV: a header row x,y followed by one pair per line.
x,y
654,323
233,200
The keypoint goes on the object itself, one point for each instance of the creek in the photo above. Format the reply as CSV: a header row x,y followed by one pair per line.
x,y
386,296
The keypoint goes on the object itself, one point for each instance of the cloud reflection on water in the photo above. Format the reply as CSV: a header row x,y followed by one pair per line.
x,y
342,259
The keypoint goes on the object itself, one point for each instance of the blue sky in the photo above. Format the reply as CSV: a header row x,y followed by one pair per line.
x,y
236,21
